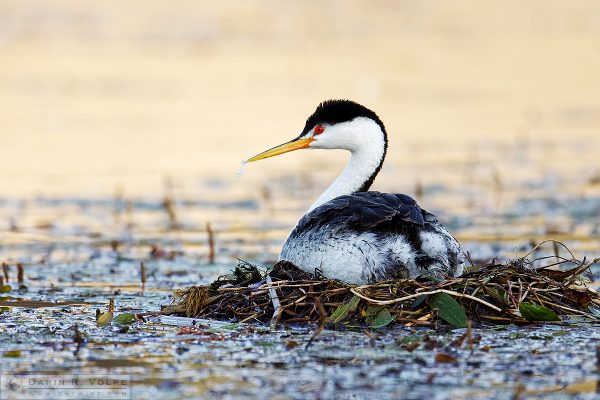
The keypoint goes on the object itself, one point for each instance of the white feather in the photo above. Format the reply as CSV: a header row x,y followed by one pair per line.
x,y
360,257
365,141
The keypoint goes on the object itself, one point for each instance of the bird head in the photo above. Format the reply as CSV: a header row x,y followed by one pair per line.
x,y
335,124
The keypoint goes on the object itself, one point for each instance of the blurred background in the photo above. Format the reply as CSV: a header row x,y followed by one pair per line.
x,y
493,111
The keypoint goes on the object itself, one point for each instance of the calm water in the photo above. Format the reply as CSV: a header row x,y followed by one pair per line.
x,y
109,110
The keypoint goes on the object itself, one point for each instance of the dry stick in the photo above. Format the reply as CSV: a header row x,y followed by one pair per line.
x,y
249,318
582,268
331,291
252,294
299,305
211,244
534,293
169,204
547,267
520,297
545,300
549,241
143,275
296,301
5,271
276,303
556,250
470,335
419,320
554,289
314,336
496,318
274,284
240,289
510,295
567,308
412,296
20,273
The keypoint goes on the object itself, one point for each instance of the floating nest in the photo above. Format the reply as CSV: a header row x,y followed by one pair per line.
x,y
519,291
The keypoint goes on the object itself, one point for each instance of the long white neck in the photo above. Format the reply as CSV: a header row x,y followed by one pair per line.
x,y
367,147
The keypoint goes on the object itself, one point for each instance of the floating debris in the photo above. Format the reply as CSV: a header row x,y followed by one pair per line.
x,y
169,205
5,272
20,273
104,319
514,292
4,288
78,339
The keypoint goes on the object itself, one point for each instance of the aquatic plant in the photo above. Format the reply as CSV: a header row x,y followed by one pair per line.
x,y
517,291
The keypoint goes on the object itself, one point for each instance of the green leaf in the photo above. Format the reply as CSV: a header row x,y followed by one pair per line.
x,y
12,353
534,312
449,309
5,288
342,311
498,294
104,319
225,327
418,301
371,311
124,319
381,319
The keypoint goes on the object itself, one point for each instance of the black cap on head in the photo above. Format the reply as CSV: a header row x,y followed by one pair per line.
x,y
336,111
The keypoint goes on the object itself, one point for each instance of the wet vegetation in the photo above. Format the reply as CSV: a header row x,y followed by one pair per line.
x,y
493,108
96,303
515,292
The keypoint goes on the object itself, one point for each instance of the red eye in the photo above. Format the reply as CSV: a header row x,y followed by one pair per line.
x,y
319,129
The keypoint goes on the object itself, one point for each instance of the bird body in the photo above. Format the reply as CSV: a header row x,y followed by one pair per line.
x,y
361,236
370,236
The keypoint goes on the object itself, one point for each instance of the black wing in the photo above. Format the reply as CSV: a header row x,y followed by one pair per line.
x,y
365,211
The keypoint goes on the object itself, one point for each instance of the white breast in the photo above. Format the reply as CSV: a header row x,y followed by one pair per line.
x,y
364,257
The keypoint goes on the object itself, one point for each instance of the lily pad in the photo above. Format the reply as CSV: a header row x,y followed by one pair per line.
x,y
534,312
449,309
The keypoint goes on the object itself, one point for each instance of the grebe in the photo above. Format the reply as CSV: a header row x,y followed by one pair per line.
x,y
355,235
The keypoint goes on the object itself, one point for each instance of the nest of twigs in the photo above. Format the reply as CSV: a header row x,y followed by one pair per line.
x,y
518,291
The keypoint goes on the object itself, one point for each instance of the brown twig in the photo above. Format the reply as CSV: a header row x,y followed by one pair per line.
x,y
5,272
20,273
143,275
211,243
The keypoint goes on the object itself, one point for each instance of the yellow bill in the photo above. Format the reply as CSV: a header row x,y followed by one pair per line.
x,y
283,148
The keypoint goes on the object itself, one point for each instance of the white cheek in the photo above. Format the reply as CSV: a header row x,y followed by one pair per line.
x,y
360,133
332,138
